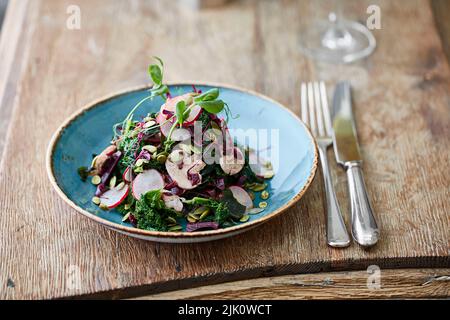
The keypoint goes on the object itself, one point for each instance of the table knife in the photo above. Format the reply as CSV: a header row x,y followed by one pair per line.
x,y
346,148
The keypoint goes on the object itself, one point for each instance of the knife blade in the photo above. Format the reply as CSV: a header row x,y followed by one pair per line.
x,y
365,230
346,146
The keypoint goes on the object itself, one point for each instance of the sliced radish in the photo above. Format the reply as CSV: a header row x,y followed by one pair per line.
x,y
170,107
171,103
232,162
185,172
165,124
261,167
173,201
113,197
165,128
180,134
241,196
127,175
147,181
194,114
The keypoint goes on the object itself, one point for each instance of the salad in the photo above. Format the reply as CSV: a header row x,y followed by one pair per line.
x,y
179,169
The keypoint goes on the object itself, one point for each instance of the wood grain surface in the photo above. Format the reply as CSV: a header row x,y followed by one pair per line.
x,y
401,96
391,284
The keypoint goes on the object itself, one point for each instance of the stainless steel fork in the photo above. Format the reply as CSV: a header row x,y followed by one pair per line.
x,y
315,113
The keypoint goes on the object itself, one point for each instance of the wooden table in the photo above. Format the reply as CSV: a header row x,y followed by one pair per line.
x,y
47,71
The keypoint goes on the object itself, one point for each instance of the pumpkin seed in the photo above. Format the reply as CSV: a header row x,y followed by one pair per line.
x,y
250,185
262,204
150,148
140,162
265,195
259,187
191,220
138,169
251,194
244,218
176,228
205,213
199,211
149,124
269,174
96,180
94,161
96,200
171,220
255,210
120,186
193,216
103,206
161,158
112,182
125,217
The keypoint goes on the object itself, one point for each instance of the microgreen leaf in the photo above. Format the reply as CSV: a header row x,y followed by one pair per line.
x,y
179,111
209,95
159,91
155,73
214,106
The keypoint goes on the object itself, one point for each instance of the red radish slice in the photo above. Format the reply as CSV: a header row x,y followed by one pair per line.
x,y
241,196
165,128
173,201
232,162
160,118
180,134
146,181
113,197
165,124
194,114
170,107
185,172
127,175
171,103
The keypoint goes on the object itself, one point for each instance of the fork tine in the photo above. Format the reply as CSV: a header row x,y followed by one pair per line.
x,y
325,108
319,116
312,120
304,104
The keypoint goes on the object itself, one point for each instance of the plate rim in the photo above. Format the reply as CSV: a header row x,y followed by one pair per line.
x,y
165,234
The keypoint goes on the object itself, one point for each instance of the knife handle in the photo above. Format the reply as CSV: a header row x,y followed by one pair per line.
x,y
364,227
337,235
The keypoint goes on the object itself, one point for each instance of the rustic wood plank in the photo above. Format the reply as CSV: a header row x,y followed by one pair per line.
x,y
441,9
393,284
13,46
401,106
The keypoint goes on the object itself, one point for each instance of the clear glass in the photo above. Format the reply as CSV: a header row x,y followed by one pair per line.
x,y
334,39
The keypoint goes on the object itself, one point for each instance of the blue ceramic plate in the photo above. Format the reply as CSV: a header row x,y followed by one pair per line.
x,y
89,131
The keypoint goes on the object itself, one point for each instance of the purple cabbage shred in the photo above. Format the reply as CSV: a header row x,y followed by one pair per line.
x,y
191,227
109,167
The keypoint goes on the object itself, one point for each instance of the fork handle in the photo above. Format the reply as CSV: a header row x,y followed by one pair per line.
x,y
364,226
337,235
